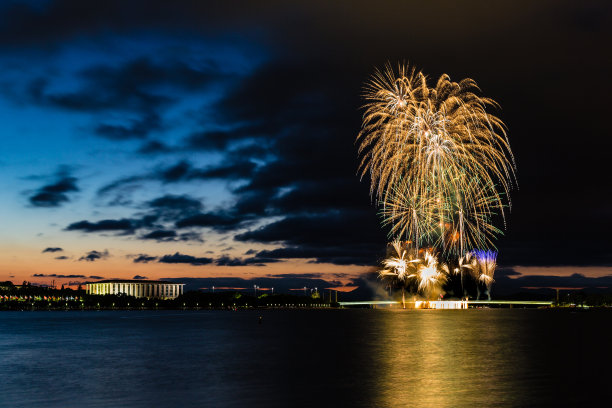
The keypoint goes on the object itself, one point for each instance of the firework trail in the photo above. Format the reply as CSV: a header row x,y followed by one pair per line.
x,y
440,165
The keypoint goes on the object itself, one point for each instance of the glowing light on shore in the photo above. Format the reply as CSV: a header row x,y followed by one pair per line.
x,y
439,304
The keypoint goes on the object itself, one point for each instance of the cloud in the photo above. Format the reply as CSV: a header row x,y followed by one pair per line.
x,y
311,191
226,260
509,281
103,225
127,87
92,256
176,202
151,147
62,257
153,221
219,221
138,277
296,275
53,275
172,236
96,277
342,238
182,172
56,193
144,258
160,235
185,259
52,249
136,129
239,170
172,207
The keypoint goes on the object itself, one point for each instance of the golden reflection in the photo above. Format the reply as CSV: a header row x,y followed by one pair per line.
x,y
446,358
416,362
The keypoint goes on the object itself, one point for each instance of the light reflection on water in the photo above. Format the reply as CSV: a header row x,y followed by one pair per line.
x,y
446,359
339,358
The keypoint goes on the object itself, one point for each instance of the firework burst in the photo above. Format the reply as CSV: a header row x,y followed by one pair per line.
x,y
487,262
440,165
402,266
431,275
427,274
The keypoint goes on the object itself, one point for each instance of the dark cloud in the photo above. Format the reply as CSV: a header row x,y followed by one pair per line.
x,y
297,275
134,86
53,275
230,171
136,129
181,172
177,172
125,184
52,249
62,257
96,277
506,272
138,277
103,225
154,147
226,260
342,238
184,171
219,221
185,259
144,258
223,139
508,282
56,193
157,212
160,235
172,236
92,256
175,202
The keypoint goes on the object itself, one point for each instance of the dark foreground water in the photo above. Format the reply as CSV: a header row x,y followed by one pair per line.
x,y
308,358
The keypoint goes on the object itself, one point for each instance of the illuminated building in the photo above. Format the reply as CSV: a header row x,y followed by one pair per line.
x,y
136,288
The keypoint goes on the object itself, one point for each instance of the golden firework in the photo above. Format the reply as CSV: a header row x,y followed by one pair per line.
x,y
401,266
431,275
440,165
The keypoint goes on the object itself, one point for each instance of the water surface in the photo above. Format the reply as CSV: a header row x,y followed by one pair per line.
x,y
306,358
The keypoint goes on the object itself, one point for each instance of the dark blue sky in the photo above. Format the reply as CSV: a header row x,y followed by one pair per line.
x,y
205,139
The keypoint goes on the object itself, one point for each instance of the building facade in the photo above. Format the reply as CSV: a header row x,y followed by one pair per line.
x,y
137,288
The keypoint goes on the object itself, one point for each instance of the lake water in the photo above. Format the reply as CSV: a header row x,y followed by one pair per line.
x,y
306,358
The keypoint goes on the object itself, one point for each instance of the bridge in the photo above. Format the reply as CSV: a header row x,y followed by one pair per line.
x,y
448,304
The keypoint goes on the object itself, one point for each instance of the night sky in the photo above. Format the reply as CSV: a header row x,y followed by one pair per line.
x,y
209,140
